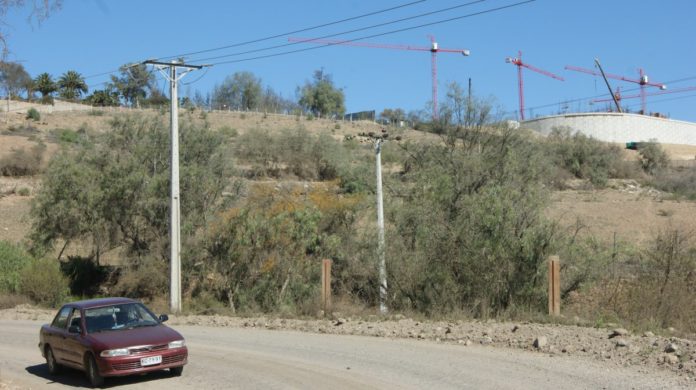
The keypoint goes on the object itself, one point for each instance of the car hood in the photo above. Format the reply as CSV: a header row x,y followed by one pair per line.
x,y
150,335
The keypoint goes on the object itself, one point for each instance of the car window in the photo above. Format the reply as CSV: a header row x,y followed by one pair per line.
x,y
61,319
115,317
75,318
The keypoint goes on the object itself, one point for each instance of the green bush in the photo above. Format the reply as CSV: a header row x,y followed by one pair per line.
x,y
44,283
12,260
33,114
468,231
652,157
229,132
67,135
584,157
24,191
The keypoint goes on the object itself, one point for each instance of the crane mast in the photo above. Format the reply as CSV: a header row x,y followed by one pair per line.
x,y
433,49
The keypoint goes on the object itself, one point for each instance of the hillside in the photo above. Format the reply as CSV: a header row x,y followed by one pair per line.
x,y
623,209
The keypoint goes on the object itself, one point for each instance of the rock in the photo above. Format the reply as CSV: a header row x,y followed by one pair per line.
x,y
648,334
339,321
671,348
671,329
568,349
671,359
488,332
515,328
486,340
622,343
618,332
540,342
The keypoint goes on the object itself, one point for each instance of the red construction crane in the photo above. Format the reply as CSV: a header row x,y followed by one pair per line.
x,y
642,81
518,61
434,49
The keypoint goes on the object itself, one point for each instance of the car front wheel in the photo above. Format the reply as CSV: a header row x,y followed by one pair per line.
x,y
95,378
53,367
176,371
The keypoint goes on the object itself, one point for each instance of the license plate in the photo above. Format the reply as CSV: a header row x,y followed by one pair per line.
x,y
151,360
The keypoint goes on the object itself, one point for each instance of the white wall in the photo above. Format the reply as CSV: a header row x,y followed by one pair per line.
x,y
616,127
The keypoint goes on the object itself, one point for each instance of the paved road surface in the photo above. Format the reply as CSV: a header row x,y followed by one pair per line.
x,y
232,358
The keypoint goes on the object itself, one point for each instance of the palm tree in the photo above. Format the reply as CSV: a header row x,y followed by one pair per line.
x,y
71,85
45,85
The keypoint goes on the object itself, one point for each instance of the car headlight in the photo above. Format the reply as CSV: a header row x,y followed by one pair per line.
x,y
114,352
177,344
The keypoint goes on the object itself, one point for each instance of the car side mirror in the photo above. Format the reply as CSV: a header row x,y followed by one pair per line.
x,y
163,318
74,329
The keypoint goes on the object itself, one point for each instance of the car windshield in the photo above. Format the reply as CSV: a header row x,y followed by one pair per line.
x,y
118,317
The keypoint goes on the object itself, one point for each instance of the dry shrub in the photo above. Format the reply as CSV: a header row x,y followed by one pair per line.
x,y
664,291
11,300
146,280
23,163
680,181
655,290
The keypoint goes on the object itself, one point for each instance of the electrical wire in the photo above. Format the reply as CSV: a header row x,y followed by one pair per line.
x,y
296,31
380,34
676,81
345,32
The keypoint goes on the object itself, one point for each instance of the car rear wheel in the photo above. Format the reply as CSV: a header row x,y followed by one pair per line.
x,y
53,367
95,378
176,371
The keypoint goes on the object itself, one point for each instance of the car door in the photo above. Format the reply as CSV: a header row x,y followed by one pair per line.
x,y
55,334
73,342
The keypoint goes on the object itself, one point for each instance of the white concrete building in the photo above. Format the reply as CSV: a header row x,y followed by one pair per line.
x,y
619,127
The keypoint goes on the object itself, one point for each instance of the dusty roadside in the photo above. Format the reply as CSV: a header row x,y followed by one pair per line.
x,y
613,347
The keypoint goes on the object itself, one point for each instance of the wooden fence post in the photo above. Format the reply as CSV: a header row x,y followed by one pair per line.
x,y
554,286
326,285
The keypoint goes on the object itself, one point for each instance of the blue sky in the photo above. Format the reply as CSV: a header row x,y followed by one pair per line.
x,y
97,36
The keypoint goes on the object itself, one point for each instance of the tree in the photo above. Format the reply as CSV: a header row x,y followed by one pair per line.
x,y
320,97
394,116
71,85
134,83
13,78
241,91
40,10
46,86
113,191
103,98
468,227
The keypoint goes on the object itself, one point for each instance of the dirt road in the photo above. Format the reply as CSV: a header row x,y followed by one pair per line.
x,y
237,358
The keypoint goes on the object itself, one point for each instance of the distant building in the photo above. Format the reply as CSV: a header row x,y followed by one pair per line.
x,y
619,127
360,116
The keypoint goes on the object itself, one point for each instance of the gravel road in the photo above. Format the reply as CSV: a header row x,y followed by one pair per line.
x,y
246,358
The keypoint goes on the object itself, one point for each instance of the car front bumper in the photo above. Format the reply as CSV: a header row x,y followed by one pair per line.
x,y
129,365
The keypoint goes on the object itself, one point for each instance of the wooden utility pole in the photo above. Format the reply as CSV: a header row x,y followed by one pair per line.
x,y
175,200
554,286
326,285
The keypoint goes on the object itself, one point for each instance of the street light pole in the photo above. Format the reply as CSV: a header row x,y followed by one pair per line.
x,y
380,231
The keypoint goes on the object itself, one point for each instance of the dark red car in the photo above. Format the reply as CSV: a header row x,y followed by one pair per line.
x,y
111,337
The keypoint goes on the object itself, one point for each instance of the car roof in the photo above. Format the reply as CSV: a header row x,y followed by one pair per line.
x,y
99,302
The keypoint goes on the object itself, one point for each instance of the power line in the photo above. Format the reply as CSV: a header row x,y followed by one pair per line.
x,y
297,31
346,32
380,34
